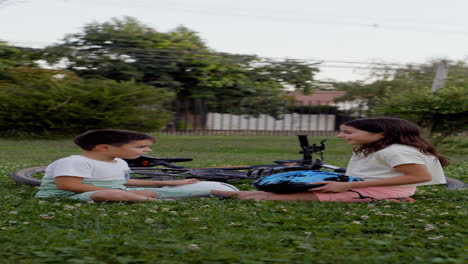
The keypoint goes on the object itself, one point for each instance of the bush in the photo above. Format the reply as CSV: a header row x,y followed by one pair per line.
x,y
455,145
50,103
443,113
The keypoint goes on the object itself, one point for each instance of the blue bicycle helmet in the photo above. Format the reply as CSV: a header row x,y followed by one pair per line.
x,y
299,181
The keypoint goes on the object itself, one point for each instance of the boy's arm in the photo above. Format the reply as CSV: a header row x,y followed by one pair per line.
x,y
74,184
137,182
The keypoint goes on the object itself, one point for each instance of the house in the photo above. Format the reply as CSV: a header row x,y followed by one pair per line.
x,y
317,98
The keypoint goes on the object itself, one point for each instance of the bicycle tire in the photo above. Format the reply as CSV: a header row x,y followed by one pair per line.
x,y
26,175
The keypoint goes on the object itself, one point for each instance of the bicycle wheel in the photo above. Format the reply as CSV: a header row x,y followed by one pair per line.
x,y
29,176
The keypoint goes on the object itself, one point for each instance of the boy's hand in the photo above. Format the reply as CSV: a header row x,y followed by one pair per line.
x,y
145,193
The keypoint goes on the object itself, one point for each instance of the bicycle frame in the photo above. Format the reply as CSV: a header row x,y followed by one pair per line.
x,y
146,164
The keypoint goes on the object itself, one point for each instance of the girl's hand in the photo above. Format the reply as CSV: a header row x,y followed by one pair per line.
x,y
182,182
330,186
145,193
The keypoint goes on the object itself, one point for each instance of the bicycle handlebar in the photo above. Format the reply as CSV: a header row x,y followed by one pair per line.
x,y
148,161
308,150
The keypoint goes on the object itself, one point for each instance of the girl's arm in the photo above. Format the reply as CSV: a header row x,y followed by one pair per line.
x,y
412,173
74,184
137,182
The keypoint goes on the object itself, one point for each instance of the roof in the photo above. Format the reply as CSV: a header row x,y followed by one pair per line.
x,y
317,96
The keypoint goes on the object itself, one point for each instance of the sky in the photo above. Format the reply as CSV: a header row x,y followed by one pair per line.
x,y
345,35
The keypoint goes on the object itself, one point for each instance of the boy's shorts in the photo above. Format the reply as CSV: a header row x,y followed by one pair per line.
x,y
86,196
377,193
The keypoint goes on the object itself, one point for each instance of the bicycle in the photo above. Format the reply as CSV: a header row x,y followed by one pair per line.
x,y
146,167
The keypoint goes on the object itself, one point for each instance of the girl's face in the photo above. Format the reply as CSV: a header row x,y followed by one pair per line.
x,y
354,136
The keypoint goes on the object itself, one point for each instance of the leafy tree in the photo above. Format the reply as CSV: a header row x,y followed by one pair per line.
x,y
13,57
406,92
294,73
124,50
386,81
443,113
51,103
179,60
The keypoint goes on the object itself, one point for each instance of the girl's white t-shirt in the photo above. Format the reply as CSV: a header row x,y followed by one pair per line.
x,y
83,167
380,164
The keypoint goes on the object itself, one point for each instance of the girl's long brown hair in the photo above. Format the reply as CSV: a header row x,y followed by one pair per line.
x,y
396,131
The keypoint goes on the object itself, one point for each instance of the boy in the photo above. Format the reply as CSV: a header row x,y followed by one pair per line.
x,y
101,174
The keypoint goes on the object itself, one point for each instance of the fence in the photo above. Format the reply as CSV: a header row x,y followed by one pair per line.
x,y
220,118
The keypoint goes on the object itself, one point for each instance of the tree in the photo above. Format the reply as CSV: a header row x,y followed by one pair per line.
x,y
406,92
447,109
386,81
178,60
294,73
124,50
13,57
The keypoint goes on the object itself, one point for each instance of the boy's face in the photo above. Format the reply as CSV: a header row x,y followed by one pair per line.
x,y
133,149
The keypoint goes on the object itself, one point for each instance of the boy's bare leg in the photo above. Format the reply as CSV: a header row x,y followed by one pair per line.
x,y
119,196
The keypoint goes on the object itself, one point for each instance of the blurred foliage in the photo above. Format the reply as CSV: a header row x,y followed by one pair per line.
x,y
125,49
444,112
406,92
139,60
13,57
52,103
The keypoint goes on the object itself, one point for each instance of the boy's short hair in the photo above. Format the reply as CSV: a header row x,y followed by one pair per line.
x,y
113,137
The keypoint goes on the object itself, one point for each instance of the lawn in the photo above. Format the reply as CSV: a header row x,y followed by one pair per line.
x,y
432,230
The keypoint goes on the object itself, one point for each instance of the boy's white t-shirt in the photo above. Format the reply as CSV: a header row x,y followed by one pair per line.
x,y
83,167
380,164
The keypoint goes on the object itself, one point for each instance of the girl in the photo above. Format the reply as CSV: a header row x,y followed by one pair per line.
x,y
389,154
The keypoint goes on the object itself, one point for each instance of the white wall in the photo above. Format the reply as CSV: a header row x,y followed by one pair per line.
x,y
288,122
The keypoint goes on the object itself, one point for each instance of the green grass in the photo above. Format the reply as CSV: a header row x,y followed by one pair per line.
x,y
431,230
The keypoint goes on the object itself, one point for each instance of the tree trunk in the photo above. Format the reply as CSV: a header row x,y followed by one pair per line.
x,y
426,127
